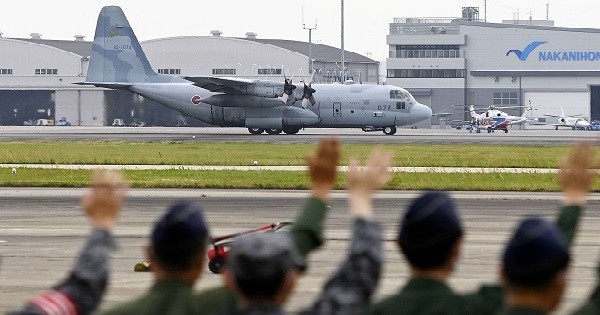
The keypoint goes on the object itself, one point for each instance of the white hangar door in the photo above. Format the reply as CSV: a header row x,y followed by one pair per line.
x,y
549,103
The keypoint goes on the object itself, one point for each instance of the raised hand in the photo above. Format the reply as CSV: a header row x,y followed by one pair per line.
x,y
363,181
102,202
577,173
322,167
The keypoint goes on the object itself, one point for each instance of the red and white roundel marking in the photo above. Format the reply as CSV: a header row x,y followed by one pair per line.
x,y
196,99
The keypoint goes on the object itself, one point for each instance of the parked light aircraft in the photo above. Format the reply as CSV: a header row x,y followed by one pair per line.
x,y
494,119
572,122
118,62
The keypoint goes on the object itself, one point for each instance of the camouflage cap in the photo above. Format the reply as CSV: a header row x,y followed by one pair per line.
x,y
264,256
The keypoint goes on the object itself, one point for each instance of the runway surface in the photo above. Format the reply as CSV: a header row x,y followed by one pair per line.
x,y
42,230
219,135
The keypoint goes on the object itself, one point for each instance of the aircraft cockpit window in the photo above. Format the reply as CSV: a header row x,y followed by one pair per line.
x,y
395,94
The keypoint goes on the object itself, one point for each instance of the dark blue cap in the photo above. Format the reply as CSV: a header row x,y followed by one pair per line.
x,y
429,229
180,235
535,254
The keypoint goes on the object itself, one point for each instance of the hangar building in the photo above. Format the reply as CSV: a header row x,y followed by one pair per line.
x,y
37,75
463,61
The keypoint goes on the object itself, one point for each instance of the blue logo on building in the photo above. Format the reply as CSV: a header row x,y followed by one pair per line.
x,y
522,55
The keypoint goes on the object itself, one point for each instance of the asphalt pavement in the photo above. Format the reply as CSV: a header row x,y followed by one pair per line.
x,y
42,230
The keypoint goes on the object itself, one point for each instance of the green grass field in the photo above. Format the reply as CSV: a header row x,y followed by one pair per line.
x,y
270,154
274,154
278,180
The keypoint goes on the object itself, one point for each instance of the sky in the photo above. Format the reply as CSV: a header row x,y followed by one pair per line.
x,y
365,28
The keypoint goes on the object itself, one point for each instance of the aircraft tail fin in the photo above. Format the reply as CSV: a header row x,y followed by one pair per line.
x,y
116,53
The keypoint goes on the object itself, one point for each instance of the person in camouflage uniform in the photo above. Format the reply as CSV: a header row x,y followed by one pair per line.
x,y
430,238
81,292
263,269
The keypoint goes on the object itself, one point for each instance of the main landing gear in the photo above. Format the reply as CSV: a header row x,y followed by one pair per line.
x,y
286,130
256,131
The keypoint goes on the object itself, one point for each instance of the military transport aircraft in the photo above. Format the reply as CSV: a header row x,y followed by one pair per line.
x,y
118,62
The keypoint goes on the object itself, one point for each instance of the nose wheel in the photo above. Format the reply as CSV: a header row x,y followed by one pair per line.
x,y
390,130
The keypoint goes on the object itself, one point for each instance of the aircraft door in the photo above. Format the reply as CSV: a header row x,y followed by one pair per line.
x,y
337,109
217,114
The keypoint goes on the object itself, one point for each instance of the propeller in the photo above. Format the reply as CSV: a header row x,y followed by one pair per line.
x,y
307,95
288,89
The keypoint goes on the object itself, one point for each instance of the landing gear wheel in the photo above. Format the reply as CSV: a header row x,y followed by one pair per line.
x,y
489,129
390,130
505,130
216,265
291,130
273,131
256,131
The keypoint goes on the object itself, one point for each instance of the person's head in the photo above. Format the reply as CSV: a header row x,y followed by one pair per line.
x,y
178,242
430,232
263,267
535,261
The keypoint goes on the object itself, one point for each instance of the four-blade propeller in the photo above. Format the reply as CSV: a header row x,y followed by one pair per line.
x,y
307,96
288,89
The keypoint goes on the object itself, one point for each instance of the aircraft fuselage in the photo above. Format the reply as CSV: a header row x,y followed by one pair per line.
x,y
336,105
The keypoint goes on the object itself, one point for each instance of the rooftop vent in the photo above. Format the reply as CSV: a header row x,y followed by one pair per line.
x,y
79,38
216,33
35,36
251,35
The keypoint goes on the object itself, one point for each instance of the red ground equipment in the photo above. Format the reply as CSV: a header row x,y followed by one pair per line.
x,y
221,244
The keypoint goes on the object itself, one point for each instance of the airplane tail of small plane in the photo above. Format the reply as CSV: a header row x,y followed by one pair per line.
x,y
563,118
117,58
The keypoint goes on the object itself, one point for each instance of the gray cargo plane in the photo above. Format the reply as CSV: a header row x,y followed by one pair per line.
x,y
118,62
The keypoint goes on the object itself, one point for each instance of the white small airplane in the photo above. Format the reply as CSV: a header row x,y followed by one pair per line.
x,y
573,122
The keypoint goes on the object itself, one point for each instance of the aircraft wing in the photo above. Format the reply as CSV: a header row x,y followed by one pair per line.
x,y
228,85
109,85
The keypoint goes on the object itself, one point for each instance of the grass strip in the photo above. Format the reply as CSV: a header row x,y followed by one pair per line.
x,y
196,153
263,179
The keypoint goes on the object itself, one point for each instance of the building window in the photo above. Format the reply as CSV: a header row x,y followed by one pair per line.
x,y
5,71
223,71
505,98
169,71
269,71
426,73
425,51
46,71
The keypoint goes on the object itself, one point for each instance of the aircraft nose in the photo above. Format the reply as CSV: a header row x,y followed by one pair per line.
x,y
420,112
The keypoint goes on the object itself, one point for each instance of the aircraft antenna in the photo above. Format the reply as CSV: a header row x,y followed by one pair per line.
x,y
547,10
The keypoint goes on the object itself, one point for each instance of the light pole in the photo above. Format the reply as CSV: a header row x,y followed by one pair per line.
x,y
342,38
310,59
